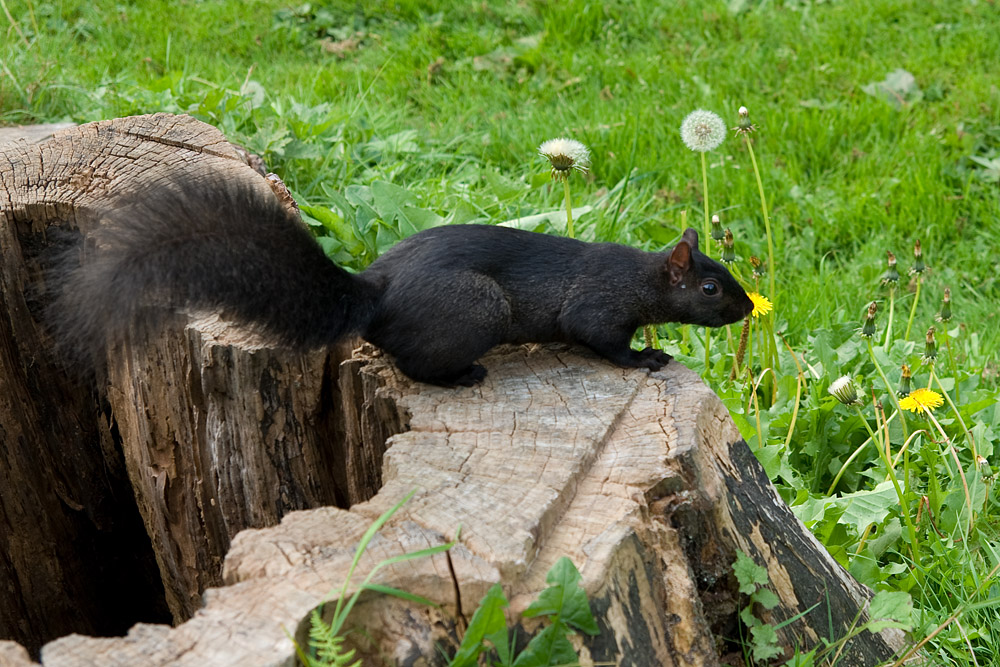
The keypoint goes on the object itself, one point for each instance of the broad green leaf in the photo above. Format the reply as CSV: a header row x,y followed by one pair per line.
x,y
898,88
548,647
503,188
775,461
564,597
767,598
396,205
867,507
488,620
890,609
750,575
765,643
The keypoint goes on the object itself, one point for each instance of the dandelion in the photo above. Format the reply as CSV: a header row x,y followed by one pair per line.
x,y
717,233
921,400
761,304
868,330
743,125
891,275
843,390
945,314
918,259
904,383
728,249
703,131
930,348
566,155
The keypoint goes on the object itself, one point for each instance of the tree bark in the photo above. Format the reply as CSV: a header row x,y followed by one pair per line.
x,y
202,438
640,478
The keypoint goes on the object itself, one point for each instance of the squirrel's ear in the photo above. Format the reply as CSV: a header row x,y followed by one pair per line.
x,y
690,236
679,261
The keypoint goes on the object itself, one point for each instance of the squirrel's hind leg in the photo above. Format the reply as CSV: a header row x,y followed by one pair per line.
x,y
437,328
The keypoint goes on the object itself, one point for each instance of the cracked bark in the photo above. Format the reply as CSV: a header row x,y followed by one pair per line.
x,y
641,479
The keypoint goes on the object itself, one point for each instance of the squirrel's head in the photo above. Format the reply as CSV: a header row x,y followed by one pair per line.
x,y
703,291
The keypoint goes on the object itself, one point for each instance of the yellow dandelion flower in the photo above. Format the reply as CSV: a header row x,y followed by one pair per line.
x,y
761,304
921,400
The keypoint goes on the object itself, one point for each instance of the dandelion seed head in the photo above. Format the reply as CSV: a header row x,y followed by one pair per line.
x,y
843,390
565,155
703,131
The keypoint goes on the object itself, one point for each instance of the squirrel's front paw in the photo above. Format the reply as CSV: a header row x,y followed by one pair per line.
x,y
654,359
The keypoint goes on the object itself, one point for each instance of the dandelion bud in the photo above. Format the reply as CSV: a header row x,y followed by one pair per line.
x,y
930,347
904,383
868,330
843,390
728,251
565,155
744,126
945,314
918,259
891,276
717,233
759,269
703,131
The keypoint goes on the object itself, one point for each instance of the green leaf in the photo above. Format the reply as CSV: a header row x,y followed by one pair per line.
x,y
774,458
487,622
404,595
899,88
890,609
555,218
548,647
750,575
766,598
765,643
462,212
564,598
397,205
503,188
867,507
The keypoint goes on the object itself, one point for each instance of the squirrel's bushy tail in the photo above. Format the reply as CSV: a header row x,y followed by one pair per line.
x,y
204,247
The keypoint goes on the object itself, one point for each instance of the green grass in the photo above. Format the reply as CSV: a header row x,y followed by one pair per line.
x,y
450,101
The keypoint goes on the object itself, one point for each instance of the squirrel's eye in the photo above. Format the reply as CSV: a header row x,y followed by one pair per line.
x,y
711,288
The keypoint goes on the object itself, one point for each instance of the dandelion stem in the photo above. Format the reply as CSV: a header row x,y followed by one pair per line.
x,y
958,464
569,209
767,220
913,310
704,190
958,415
888,327
903,508
888,387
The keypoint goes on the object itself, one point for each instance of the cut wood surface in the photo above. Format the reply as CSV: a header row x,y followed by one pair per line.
x,y
640,478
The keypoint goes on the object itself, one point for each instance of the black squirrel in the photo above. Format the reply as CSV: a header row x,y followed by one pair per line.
x,y
436,301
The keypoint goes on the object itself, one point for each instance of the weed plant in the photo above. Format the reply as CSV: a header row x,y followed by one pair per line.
x,y
876,126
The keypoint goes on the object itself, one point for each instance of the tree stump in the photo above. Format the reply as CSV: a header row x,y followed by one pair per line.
x,y
640,478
